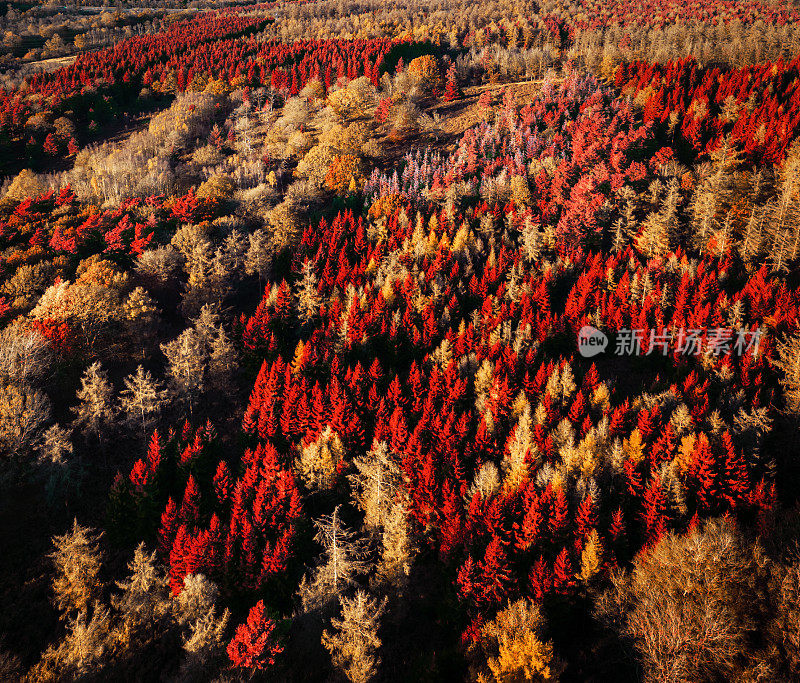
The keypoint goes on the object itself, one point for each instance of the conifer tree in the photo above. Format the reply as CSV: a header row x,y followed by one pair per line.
x,y
354,643
187,367
375,483
253,647
308,298
96,413
142,400
451,90
343,561
513,648
78,560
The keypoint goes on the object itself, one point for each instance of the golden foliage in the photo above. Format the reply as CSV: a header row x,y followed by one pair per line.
x,y
25,184
633,448
385,206
344,174
314,165
219,187
78,562
591,557
319,462
514,648
355,101
425,72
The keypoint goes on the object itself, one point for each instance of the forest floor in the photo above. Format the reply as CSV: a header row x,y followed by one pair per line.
x,y
51,64
463,113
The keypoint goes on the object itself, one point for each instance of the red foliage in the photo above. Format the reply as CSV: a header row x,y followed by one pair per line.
x,y
253,647
763,129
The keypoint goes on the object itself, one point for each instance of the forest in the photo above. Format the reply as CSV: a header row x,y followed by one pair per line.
x,y
451,341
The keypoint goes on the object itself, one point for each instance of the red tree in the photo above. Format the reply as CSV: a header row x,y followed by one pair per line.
x,y
253,646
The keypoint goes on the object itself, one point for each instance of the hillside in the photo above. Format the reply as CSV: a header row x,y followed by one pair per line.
x,y
451,341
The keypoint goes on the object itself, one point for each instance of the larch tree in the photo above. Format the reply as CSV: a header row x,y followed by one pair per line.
x,y
204,626
144,602
513,647
514,465
142,400
783,214
259,255
187,367
354,643
77,560
660,230
319,461
54,458
83,651
397,548
24,415
141,318
223,362
96,413
343,561
375,484
788,362
26,356
308,298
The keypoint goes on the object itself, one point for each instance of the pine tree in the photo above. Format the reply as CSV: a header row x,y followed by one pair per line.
x,y
354,643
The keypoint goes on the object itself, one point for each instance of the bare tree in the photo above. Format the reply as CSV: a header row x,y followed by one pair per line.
x,y
343,561
26,356
692,605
